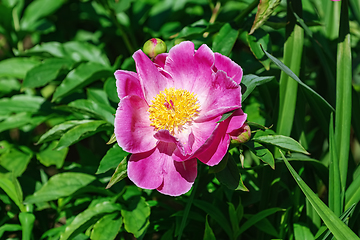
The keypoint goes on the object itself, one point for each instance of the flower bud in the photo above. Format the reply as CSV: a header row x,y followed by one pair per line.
x,y
153,47
244,134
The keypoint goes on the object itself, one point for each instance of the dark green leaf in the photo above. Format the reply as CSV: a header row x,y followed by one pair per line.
x,y
254,41
60,185
10,189
208,234
110,89
107,227
230,175
16,160
261,152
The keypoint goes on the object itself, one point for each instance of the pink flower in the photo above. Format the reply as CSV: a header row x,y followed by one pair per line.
x,y
168,113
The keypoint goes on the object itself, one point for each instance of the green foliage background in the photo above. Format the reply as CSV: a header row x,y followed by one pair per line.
x,y
59,179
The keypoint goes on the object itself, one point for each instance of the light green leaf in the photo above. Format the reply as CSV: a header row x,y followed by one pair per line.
x,y
9,228
49,156
80,132
136,215
9,85
57,131
60,185
21,103
80,77
335,225
254,41
38,9
302,232
107,227
225,39
46,72
10,189
112,158
119,174
282,142
16,67
16,160
15,121
251,81
261,152
87,218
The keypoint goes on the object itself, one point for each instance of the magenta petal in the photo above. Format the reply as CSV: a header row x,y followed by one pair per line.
x,y
127,83
224,97
146,169
132,125
232,69
160,60
236,120
178,177
151,80
215,148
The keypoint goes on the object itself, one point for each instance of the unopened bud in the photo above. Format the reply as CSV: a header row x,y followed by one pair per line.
x,y
244,134
153,47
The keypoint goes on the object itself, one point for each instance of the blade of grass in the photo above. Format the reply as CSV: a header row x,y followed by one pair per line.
x,y
335,225
334,174
343,95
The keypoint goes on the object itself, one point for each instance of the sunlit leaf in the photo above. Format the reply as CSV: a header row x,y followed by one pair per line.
x,y
265,9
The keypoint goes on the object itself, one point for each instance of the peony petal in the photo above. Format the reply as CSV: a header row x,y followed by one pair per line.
x,y
132,125
215,148
232,69
189,72
236,120
178,177
224,97
160,60
127,83
151,80
146,169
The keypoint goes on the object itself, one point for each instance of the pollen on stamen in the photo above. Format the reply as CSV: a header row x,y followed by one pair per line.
x,y
172,109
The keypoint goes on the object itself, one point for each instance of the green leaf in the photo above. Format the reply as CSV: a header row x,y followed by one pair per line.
x,y
302,232
9,228
10,189
335,225
60,185
15,121
216,214
225,39
251,81
110,89
282,142
119,174
85,219
293,76
57,131
49,156
92,109
208,234
16,160
261,152
230,175
198,27
9,85
111,159
80,132
265,9
136,215
98,96
254,41
16,67
256,218
27,220
107,227
21,103
38,9
80,77
46,72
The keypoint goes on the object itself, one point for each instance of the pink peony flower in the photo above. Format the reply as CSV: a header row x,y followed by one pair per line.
x,y
169,111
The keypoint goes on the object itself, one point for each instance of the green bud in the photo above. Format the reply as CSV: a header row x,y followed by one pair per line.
x,y
153,47
244,136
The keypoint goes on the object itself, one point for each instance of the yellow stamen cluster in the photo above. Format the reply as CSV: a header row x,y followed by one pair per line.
x,y
172,109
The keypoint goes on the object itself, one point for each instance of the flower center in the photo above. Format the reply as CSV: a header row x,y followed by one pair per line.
x,y
172,109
